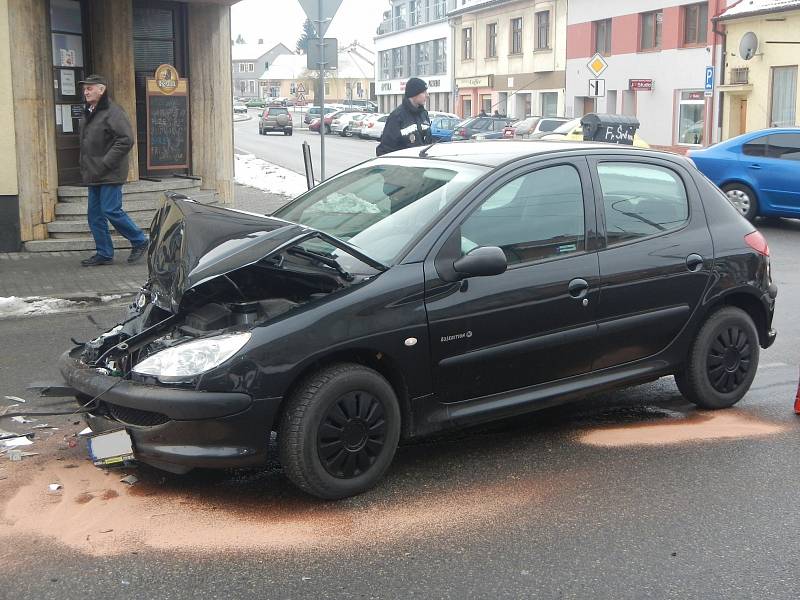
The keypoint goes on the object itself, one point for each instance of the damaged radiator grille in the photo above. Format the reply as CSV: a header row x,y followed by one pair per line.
x,y
134,416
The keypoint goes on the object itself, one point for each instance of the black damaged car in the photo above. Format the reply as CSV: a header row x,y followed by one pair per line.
x,y
428,289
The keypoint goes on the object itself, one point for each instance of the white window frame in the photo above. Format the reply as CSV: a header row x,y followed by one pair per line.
x,y
697,102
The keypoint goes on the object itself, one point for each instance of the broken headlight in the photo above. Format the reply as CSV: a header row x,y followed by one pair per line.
x,y
192,358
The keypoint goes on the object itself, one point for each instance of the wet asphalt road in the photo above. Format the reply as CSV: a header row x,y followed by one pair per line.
x,y
519,509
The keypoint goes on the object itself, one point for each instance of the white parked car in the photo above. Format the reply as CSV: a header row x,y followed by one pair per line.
x,y
239,107
344,122
374,128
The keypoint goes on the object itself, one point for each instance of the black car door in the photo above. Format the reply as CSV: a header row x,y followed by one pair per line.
x,y
536,321
657,257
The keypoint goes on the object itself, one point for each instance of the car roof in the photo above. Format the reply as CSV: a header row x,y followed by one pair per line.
x,y
495,152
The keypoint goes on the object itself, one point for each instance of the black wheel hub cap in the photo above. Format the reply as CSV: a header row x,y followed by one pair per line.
x,y
352,434
729,359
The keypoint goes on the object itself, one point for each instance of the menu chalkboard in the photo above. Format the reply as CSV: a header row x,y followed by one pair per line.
x,y
168,126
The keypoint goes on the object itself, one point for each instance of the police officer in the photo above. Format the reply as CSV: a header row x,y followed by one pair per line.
x,y
408,125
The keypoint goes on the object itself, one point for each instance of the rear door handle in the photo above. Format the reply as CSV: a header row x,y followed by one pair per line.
x,y
694,262
756,167
578,288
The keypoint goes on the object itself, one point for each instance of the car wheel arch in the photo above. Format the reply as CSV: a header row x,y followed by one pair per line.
x,y
376,360
750,304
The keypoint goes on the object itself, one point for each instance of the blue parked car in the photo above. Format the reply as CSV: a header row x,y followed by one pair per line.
x,y
759,171
442,128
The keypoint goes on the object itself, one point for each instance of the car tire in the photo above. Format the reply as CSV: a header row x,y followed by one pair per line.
x,y
722,361
339,431
743,198
260,131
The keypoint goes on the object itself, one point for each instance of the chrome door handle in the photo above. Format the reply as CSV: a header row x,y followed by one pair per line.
x,y
694,262
578,288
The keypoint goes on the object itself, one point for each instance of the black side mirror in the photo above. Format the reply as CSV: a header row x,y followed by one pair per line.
x,y
480,262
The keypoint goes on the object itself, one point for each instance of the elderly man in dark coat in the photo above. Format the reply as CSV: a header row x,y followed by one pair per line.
x,y
106,139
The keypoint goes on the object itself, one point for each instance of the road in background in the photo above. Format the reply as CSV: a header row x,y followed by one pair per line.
x,y
340,153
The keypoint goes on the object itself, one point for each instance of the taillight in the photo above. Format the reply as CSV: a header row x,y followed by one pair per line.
x,y
757,242
462,131
797,399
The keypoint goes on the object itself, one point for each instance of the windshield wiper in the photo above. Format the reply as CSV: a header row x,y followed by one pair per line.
x,y
322,257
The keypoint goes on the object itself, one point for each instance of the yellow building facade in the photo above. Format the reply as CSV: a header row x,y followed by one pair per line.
x,y
760,88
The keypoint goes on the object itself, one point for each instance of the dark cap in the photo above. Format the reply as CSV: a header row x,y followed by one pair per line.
x,y
415,86
95,79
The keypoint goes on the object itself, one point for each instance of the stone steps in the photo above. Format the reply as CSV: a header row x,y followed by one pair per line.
x,y
141,199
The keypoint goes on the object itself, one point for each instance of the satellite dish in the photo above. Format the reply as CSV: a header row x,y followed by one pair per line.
x,y
748,46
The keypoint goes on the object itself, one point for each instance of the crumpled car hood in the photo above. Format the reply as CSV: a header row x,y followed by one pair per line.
x,y
192,243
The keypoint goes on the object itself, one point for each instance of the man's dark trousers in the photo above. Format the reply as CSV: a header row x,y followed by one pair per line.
x,y
105,204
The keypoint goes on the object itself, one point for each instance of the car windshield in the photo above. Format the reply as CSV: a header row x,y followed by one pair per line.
x,y
381,207
567,127
549,125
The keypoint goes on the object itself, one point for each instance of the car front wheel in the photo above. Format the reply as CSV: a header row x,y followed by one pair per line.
x,y
722,362
339,431
743,198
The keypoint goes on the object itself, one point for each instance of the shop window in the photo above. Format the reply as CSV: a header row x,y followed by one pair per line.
x,y
398,64
651,24
691,118
602,37
516,35
695,23
386,65
641,200
549,104
543,30
466,43
784,96
491,40
466,107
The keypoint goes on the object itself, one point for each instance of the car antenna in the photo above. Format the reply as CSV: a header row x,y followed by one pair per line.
x,y
424,152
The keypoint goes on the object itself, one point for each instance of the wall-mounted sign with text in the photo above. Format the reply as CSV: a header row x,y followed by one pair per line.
x,y
398,86
640,85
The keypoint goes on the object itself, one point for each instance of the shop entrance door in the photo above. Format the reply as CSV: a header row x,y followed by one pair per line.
x,y
159,37
69,44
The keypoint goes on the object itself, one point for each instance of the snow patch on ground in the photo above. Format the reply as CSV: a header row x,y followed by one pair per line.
x,y
13,306
266,176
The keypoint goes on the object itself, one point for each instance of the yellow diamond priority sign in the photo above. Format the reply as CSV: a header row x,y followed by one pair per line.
x,y
597,64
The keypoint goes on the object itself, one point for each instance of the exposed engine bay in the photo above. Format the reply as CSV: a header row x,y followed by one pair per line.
x,y
236,301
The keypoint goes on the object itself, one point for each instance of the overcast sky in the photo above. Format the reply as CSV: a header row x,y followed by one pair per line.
x,y
282,21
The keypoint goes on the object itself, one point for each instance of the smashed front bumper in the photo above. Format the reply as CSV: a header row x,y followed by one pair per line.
x,y
175,429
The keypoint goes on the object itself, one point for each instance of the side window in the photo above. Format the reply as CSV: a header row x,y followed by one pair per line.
x,y
756,147
784,145
481,124
641,200
533,217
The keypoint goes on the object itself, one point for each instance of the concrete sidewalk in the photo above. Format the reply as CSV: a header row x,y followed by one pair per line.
x,y
60,274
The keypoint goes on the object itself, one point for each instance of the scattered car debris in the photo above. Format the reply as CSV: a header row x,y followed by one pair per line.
x,y
22,420
86,431
55,488
130,479
20,440
16,399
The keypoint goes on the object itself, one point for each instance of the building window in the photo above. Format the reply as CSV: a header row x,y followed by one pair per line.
x,y
516,35
543,30
251,86
386,65
440,56
491,40
292,87
250,67
602,36
695,23
549,104
466,43
439,9
241,68
784,96
691,118
398,64
423,58
651,30
415,12
327,88
400,13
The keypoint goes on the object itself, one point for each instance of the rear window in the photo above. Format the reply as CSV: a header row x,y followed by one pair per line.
x,y
278,111
549,124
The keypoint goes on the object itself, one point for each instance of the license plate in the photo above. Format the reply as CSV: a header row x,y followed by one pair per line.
x,y
111,448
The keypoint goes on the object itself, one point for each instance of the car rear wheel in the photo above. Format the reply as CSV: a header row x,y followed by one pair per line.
x,y
339,431
722,362
743,198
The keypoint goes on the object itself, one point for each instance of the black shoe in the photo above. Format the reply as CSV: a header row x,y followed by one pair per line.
x,y
137,252
96,261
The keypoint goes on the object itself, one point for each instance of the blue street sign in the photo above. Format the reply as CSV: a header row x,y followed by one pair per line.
x,y
709,78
